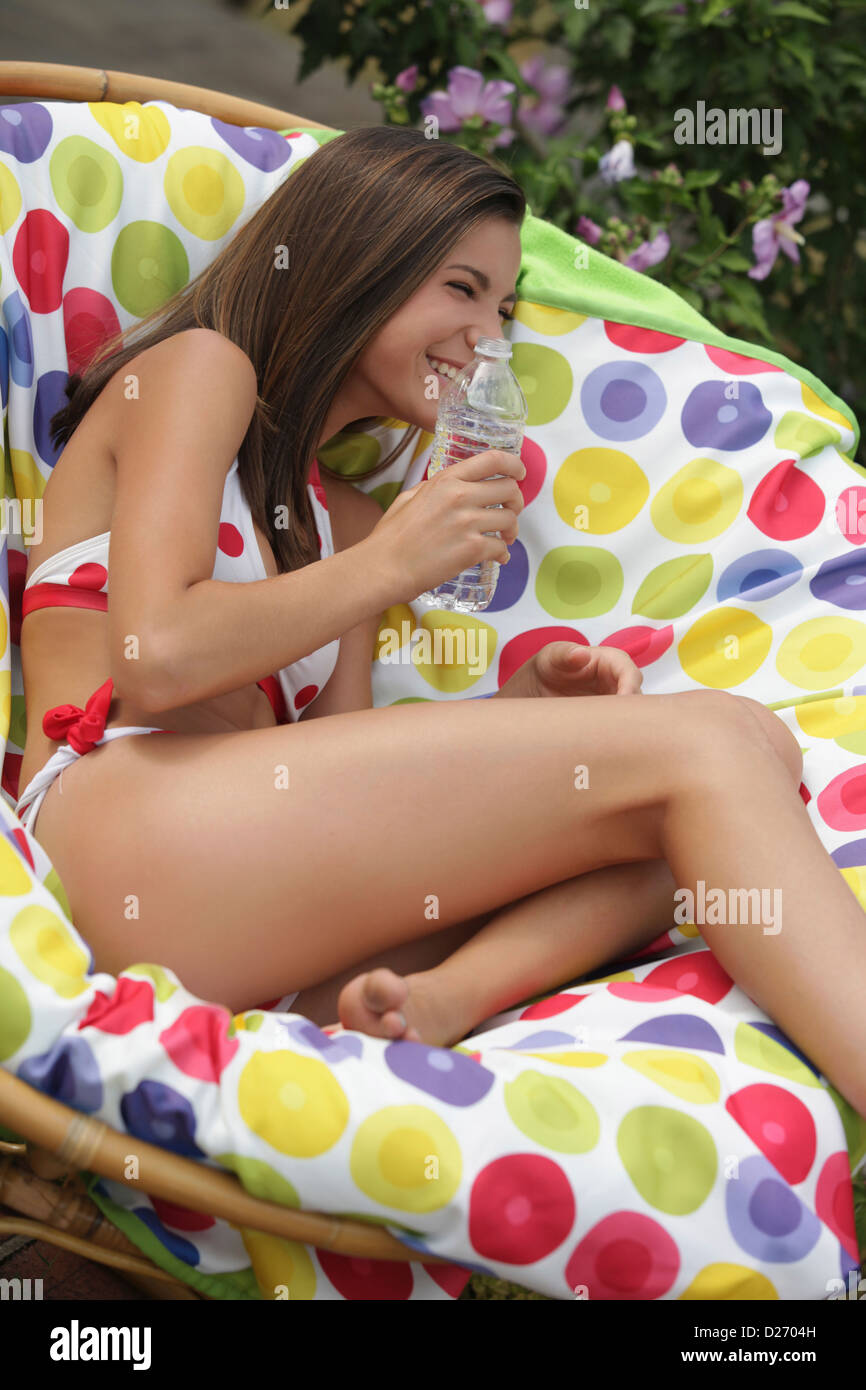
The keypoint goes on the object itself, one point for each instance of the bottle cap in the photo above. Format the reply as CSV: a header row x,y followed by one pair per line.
x,y
493,347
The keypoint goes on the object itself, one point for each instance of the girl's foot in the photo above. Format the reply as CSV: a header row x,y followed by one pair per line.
x,y
409,1007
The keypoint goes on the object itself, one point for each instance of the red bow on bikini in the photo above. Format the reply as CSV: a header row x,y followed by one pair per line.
x,y
83,728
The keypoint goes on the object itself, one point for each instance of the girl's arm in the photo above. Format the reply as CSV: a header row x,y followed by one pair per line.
x,y
179,413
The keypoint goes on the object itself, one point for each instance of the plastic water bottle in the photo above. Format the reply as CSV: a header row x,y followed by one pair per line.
x,y
481,408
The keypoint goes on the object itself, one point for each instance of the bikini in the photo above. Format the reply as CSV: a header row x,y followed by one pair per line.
x,y
77,577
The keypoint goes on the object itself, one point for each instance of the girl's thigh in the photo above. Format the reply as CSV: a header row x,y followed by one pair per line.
x,y
258,862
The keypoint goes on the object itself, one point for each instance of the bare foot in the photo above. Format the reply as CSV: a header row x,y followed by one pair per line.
x,y
409,1007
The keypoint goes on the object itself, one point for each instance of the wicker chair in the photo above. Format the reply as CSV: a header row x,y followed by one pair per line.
x,y
40,1178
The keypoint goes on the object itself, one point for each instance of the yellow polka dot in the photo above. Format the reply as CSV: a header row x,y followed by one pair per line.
x,y
823,652
14,875
405,1156
681,1073
282,1268
49,950
724,647
294,1103
729,1281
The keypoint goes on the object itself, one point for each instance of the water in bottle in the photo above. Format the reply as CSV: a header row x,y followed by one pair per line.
x,y
481,408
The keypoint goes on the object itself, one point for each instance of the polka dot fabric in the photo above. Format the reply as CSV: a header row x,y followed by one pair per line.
x,y
649,1134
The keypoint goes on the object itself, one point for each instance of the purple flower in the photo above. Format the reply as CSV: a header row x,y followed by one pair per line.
x,y
774,234
589,231
618,163
544,113
469,95
406,79
650,252
496,11
615,99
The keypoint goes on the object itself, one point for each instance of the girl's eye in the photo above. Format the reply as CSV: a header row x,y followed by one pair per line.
x,y
458,285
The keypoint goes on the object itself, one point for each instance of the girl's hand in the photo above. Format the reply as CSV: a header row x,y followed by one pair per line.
x,y
563,668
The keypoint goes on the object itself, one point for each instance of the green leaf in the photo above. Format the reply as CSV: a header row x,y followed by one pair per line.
x,y
713,10
798,49
701,178
795,10
735,260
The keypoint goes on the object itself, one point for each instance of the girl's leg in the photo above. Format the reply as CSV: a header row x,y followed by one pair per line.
x,y
539,943
531,946
257,862
798,949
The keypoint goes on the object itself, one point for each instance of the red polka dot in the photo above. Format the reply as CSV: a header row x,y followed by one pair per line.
x,y
89,576
736,363
451,1278
642,644
304,696
39,256
20,838
626,335
230,540
625,1256
359,1279
198,1042
548,1008
521,1208
118,1013
779,1125
318,534
834,1200
787,503
698,973
525,645
181,1218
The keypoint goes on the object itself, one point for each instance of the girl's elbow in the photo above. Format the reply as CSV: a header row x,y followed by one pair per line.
x,y
144,678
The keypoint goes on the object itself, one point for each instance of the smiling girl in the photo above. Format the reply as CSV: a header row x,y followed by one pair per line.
x,y
247,583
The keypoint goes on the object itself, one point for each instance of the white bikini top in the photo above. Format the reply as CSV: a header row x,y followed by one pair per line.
x,y
78,577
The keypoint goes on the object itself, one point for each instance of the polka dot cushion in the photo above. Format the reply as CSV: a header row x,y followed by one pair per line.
x,y
645,1134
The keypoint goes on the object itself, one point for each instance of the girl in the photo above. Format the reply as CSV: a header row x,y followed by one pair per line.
x,y
249,859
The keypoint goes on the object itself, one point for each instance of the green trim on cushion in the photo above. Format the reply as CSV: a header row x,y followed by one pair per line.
x,y
241,1284
606,289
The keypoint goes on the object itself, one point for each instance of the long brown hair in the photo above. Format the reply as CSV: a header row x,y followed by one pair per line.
x,y
365,221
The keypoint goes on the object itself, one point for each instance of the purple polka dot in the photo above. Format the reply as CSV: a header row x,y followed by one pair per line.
x,y
842,581
622,400
766,1217
175,1244
449,1076
712,421
159,1114
677,1030
264,149
67,1072
25,131
758,576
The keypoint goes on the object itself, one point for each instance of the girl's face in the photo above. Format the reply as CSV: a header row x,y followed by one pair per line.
x,y
443,319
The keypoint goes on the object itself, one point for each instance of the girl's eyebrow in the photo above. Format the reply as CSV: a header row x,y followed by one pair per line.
x,y
481,278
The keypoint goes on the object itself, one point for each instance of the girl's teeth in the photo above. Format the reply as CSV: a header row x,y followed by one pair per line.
x,y
442,367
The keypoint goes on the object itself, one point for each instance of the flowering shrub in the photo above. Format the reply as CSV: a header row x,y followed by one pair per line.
x,y
695,142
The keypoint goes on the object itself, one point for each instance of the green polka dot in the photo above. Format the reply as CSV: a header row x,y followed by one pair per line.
x,y
148,266
578,581
87,183
163,986
803,435
352,454
553,1112
670,1157
18,722
260,1179
672,588
15,1015
756,1049
546,380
